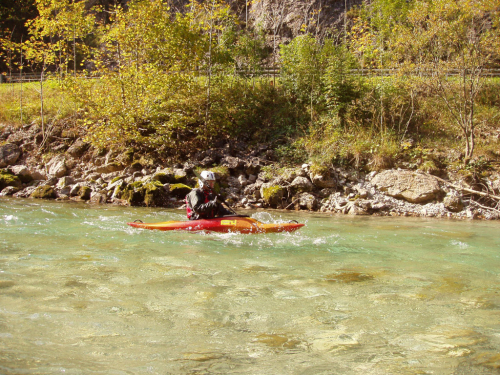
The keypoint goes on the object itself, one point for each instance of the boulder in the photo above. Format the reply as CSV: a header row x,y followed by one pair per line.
x,y
272,193
308,201
323,181
8,179
410,186
9,153
232,162
253,166
453,203
65,181
84,193
57,166
22,172
301,184
179,190
44,192
9,190
78,148
155,195
108,168
243,180
38,174
98,197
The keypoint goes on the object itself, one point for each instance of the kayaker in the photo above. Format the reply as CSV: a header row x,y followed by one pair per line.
x,y
202,203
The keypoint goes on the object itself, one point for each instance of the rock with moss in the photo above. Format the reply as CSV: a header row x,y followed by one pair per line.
x,y
272,194
84,193
134,193
155,195
165,176
22,172
180,176
8,179
179,190
44,192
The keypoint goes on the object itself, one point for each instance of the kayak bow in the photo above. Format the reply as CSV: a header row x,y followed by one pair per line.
x,y
221,224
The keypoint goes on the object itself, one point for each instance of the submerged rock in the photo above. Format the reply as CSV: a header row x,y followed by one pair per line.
x,y
348,277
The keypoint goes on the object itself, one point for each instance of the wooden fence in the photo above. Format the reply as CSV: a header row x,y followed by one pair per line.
x,y
267,72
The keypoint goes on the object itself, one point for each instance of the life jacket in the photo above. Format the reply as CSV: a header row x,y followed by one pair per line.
x,y
189,210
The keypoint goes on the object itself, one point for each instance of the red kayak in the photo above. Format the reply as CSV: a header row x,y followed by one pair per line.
x,y
226,224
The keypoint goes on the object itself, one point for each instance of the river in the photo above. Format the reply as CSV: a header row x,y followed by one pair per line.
x,y
83,293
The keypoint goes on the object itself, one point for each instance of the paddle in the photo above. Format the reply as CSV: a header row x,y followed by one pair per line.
x,y
216,195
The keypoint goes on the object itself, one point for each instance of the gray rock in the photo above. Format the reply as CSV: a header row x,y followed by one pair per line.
x,y
308,201
108,168
20,170
411,186
9,153
301,184
98,197
243,180
57,166
322,181
354,209
38,174
232,162
453,203
64,191
64,181
77,149
25,193
9,190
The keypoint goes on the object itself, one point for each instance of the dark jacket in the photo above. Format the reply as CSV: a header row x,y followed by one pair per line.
x,y
201,205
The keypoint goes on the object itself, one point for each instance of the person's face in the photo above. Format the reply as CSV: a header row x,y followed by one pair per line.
x,y
211,183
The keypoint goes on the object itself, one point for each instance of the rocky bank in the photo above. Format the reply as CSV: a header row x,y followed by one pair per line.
x,y
249,178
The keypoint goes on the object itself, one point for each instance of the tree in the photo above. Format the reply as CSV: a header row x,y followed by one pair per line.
x,y
64,24
448,44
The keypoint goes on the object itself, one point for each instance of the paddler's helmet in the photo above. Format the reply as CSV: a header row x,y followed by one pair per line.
x,y
207,176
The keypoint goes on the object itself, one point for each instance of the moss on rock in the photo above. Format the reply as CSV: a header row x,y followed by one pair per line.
x,y
44,192
154,194
134,193
179,190
8,179
273,194
84,193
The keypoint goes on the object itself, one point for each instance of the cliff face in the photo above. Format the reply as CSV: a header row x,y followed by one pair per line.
x,y
284,19
288,18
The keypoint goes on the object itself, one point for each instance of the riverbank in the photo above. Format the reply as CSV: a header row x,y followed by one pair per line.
x,y
248,177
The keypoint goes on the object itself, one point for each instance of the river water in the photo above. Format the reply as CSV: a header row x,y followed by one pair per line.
x,y
83,293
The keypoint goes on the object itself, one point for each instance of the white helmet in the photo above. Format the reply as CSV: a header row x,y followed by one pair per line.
x,y
206,176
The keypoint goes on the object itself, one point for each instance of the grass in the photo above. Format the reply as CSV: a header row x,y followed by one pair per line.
x,y
20,103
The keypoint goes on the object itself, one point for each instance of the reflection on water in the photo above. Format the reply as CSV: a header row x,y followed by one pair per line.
x,y
83,293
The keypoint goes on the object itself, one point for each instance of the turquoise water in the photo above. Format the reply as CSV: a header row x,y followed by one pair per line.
x,y
83,293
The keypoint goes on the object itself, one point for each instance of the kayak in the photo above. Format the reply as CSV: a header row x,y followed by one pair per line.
x,y
225,224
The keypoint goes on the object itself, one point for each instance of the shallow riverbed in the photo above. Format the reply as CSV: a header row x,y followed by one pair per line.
x,y
83,293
